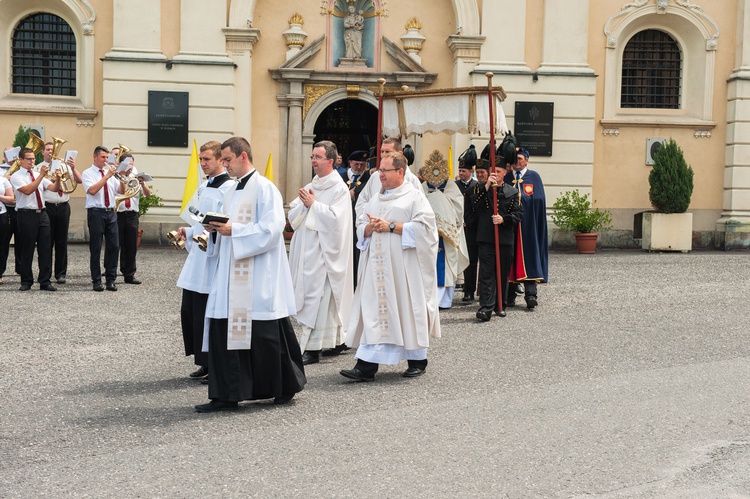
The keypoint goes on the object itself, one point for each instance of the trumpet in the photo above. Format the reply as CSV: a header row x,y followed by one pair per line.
x,y
68,182
175,240
35,144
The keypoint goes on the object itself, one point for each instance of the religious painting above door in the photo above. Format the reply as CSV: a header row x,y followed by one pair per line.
x,y
354,33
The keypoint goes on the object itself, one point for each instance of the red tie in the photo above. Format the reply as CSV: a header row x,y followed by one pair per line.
x,y
38,197
127,203
106,191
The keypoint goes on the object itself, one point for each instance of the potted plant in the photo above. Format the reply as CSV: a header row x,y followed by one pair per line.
x,y
288,231
670,228
144,204
573,213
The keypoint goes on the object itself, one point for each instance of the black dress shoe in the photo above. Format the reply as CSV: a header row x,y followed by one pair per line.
x,y
132,280
111,286
468,298
48,287
60,280
200,373
337,350
204,381
24,287
484,316
310,357
500,313
357,375
284,399
531,302
413,372
216,405
98,286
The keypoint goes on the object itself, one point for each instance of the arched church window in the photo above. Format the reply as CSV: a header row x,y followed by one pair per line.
x,y
43,56
651,71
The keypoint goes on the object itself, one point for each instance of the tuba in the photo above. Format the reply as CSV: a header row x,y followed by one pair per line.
x,y
35,144
132,186
68,182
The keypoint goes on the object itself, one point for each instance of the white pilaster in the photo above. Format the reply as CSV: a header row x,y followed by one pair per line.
x,y
733,228
466,52
201,36
504,49
565,44
136,31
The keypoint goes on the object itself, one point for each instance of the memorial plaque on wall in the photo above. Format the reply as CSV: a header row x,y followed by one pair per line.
x,y
167,119
534,126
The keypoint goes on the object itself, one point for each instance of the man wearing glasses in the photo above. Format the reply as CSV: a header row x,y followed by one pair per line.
x,y
320,257
33,222
395,308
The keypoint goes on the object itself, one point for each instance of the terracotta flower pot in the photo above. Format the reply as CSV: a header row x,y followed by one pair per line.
x,y
586,242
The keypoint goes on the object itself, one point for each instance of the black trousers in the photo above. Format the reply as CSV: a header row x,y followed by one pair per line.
x,y
529,289
127,227
271,368
470,272
59,222
103,225
33,230
14,232
192,314
372,368
5,234
488,277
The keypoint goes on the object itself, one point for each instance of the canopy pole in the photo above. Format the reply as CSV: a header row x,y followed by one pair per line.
x,y
498,273
379,141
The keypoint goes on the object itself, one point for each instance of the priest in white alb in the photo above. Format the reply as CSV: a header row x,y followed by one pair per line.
x,y
320,255
253,352
395,309
373,186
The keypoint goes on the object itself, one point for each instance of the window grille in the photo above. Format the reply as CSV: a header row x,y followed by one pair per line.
x,y
651,71
44,56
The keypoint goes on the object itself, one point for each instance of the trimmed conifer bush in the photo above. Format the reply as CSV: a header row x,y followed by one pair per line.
x,y
671,180
22,138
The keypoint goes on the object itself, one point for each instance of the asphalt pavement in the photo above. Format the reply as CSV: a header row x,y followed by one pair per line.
x,y
630,379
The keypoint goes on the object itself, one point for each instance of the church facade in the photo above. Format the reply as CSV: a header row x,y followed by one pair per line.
x,y
612,77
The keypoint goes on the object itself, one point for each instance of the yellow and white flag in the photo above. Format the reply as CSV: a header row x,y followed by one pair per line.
x,y
193,178
269,168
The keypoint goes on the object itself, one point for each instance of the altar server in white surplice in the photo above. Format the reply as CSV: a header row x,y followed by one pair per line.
x,y
320,255
198,272
395,308
252,350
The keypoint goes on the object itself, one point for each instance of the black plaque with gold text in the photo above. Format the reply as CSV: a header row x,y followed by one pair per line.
x,y
167,119
534,126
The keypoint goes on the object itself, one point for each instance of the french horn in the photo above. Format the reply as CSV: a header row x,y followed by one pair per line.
x,y
35,144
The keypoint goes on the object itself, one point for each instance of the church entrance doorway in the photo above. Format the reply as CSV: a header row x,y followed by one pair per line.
x,y
351,124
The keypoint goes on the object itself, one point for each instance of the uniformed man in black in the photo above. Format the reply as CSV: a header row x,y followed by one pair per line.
x,y
466,163
509,215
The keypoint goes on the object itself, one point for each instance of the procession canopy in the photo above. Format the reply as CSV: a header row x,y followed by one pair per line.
x,y
450,110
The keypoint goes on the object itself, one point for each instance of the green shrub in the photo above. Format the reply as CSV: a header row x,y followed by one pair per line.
x,y
671,180
573,213
22,139
146,202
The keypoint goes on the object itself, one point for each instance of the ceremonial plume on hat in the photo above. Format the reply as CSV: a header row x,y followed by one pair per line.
x,y
468,158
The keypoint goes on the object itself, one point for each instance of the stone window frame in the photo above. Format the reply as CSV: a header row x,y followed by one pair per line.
x,y
697,36
80,16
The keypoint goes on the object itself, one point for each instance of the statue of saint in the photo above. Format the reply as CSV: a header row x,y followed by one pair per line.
x,y
354,22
